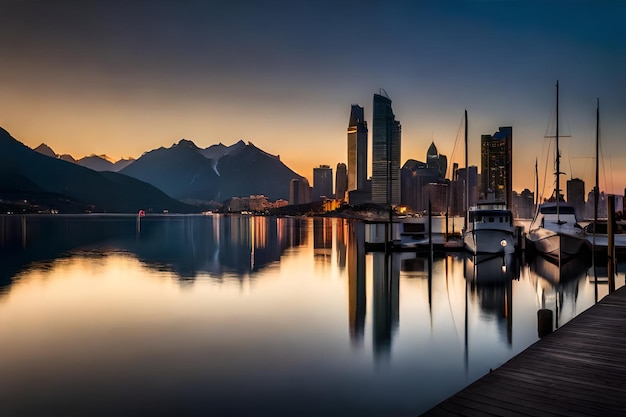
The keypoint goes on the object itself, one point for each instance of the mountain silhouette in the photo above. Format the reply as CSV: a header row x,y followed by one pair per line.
x,y
250,171
217,173
94,162
180,171
215,152
67,157
26,173
45,150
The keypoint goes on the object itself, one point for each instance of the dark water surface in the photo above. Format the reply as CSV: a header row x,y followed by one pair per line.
x,y
214,315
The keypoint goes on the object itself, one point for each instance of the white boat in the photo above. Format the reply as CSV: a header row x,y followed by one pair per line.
x,y
490,229
598,235
555,232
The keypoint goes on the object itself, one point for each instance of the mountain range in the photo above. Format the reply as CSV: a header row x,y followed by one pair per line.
x,y
95,162
54,183
217,173
184,172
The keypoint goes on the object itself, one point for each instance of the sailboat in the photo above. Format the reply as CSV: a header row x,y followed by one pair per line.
x,y
597,232
488,225
555,232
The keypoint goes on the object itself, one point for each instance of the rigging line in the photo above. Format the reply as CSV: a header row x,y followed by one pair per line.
x,y
545,171
456,141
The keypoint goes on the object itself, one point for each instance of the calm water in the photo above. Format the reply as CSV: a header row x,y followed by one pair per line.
x,y
212,315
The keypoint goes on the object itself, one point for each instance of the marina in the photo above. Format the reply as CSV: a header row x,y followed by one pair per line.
x,y
219,306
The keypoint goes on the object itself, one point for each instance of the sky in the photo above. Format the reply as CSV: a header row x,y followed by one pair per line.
x,y
125,77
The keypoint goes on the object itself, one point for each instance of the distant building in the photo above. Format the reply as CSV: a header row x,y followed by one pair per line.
x,y
322,182
473,183
299,191
259,203
280,203
436,161
341,181
357,149
576,196
497,165
436,193
386,138
523,204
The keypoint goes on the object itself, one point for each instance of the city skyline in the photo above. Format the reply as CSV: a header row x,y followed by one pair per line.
x,y
122,79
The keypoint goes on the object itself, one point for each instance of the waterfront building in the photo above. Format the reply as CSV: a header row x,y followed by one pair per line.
x,y
497,165
299,191
322,182
386,138
341,181
357,149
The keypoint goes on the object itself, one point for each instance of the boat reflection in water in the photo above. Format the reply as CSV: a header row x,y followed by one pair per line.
x,y
491,269
557,287
563,274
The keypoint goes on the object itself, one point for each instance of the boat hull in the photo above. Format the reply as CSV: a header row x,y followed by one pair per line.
x,y
485,241
559,245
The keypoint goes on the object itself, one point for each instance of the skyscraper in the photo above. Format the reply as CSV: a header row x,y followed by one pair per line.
x,y
385,153
322,182
341,181
436,161
496,171
357,149
576,196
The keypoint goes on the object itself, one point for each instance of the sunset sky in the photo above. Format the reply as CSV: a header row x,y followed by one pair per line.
x,y
124,77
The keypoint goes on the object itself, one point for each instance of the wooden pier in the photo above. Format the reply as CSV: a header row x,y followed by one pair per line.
x,y
579,370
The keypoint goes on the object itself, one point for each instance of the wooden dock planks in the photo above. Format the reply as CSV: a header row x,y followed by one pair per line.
x,y
579,370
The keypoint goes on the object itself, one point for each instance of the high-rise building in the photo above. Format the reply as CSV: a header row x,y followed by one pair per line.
x,y
299,191
497,165
473,182
436,161
341,181
357,149
386,138
322,182
576,196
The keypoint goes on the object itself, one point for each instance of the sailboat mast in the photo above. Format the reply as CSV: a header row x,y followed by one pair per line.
x,y
596,190
466,176
536,185
558,168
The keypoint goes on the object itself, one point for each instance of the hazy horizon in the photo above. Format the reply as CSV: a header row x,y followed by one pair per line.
x,y
122,79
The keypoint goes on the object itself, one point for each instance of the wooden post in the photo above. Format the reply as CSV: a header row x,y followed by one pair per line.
x,y
611,242
544,322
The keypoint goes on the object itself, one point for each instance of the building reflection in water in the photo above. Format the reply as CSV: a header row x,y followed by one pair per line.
x,y
357,299
341,236
322,239
386,303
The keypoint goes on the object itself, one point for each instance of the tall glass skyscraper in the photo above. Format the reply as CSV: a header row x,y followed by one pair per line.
x,y
357,149
385,153
497,165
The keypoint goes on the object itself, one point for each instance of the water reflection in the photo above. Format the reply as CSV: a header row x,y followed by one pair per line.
x,y
386,292
327,328
186,245
357,299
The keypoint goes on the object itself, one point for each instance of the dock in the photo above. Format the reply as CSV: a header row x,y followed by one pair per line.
x,y
579,370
